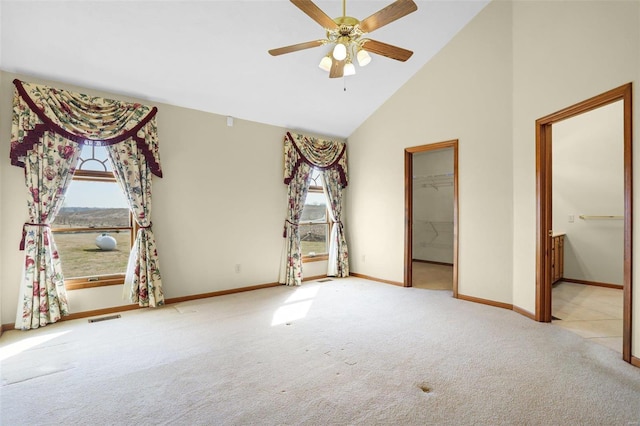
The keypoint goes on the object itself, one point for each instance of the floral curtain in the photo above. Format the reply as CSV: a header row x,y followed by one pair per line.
x,y
291,264
46,120
338,265
80,118
143,283
301,153
49,169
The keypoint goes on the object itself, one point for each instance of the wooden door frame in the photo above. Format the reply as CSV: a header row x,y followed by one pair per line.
x,y
408,208
544,203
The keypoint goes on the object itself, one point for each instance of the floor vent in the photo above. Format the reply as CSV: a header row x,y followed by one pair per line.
x,y
325,280
109,317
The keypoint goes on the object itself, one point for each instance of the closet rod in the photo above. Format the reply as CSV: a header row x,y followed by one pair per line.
x,y
588,217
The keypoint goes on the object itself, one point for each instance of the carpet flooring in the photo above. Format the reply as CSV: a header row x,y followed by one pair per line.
x,y
348,351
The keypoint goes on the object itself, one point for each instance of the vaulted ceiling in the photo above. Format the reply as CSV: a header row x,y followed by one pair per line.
x,y
212,55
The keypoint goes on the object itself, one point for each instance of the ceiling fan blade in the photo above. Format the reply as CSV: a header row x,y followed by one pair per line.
x,y
388,50
315,13
296,47
395,10
337,68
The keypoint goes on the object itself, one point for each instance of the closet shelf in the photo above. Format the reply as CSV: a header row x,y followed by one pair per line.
x,y
434,181
594,217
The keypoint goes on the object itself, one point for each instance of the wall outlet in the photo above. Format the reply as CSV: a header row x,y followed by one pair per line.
x,y
572,218
237,268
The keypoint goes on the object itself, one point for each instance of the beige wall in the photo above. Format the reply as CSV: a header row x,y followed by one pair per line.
x,y
222,202
464,93
564,52
514,63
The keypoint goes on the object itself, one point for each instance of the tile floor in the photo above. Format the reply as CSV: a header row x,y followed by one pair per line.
x,y
594,313
432,276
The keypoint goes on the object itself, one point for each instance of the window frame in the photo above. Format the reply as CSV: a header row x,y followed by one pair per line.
x,y
78,283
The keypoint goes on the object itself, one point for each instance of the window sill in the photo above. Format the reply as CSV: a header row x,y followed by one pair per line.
x,y
91,282
317,258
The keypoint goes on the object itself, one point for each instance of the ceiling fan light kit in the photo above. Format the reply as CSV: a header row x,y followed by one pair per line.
x,y
349,69
325,63
346,34
340,51
363,58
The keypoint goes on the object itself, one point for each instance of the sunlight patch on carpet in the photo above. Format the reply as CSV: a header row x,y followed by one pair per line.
x,y
26,344
296,306
303,293
291,312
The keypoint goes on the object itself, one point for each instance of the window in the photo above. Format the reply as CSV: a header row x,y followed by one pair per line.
x,y
93,229
314,222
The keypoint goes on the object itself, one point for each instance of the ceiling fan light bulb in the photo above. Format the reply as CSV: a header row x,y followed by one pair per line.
x,y
325,63
340,52
363,58
349,69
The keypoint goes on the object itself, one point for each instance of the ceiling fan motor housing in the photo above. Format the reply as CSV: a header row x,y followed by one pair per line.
x,y
345,24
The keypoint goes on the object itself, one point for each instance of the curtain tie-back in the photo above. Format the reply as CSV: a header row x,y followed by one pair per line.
x,y
146,227
284,233
24,232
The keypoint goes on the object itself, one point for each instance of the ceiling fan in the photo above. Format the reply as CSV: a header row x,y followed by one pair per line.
x,y
348,36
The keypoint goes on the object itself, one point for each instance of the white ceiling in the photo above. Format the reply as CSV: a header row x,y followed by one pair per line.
x,y
212,55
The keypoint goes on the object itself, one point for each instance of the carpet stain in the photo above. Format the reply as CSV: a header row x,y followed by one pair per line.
x,y
424,388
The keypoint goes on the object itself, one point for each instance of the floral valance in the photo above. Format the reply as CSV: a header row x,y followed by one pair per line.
x,y
80,118
318,153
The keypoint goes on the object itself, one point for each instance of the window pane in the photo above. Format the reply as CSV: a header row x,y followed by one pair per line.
x,y
313,239
315,208
93,204
81,257
94,158
314,178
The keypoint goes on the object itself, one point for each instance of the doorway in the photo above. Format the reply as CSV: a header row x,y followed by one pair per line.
x,y
546,253
431,216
